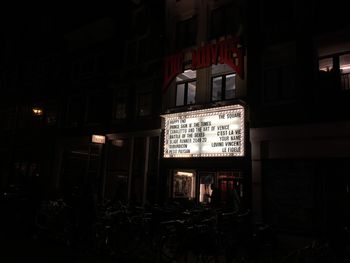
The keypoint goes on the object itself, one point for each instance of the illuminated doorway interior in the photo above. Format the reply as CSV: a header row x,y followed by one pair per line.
x,y
184,184
206,179
230,187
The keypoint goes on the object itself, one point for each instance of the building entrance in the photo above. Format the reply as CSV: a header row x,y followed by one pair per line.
x,y
198,185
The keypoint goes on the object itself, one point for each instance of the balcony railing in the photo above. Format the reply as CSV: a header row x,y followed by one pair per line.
x,y
345,81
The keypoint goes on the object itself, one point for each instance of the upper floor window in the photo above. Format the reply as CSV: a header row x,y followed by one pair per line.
x,y
336,64
223,83
186,88
186,33
121,99
144,104
224,21
279,84
285,14
223,87
75,111
325,64
98,106
344,64
83,67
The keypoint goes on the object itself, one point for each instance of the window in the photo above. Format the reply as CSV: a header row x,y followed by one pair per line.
x,y
223,87
279,84
344,63
75,111
224,21
223,83
330,68
205,186
325,64
132,50
144,104
51,113
87,67
97,108
186,33
121,104
184,184
186,88
284,15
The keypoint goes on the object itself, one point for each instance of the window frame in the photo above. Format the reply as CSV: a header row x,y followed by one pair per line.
x,y
121,98
223,86
279,93
226,26
184,37
186,78
186,91
138,109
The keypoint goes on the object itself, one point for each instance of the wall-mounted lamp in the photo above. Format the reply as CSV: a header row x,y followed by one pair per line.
x,y
37,111
100,139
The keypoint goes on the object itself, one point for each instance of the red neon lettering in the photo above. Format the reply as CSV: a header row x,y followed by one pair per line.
x,y
172,67
214,54
194,60
224,52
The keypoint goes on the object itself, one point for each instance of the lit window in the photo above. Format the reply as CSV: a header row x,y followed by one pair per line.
x,y
325,64
205,187
344,63
330,68
223,87
186,88
184,184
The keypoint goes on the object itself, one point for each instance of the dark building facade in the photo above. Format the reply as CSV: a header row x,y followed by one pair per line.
x,y
76,76
162,100
298,90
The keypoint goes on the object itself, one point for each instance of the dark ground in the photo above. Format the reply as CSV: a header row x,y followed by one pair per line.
x,y
23,248
19,248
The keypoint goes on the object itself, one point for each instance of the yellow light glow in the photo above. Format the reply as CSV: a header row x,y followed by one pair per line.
x,y
98,139
185,174
37,111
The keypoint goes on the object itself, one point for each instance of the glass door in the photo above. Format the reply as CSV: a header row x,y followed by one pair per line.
x,y
231,188
206,180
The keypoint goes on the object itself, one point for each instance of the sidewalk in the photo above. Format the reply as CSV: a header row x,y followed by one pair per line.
x,y
19,248
29,249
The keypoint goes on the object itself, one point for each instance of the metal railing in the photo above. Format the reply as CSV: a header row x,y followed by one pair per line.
x,y
345,81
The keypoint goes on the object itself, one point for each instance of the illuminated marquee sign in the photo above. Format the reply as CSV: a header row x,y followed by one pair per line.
x,y
215,132
223,52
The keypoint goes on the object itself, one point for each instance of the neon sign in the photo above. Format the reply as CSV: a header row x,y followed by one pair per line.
x,y
223,52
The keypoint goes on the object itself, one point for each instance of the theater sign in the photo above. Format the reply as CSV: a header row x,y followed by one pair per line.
x,y
211,132
227,51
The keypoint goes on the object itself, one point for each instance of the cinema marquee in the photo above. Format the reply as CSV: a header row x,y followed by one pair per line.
x,y
213,132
